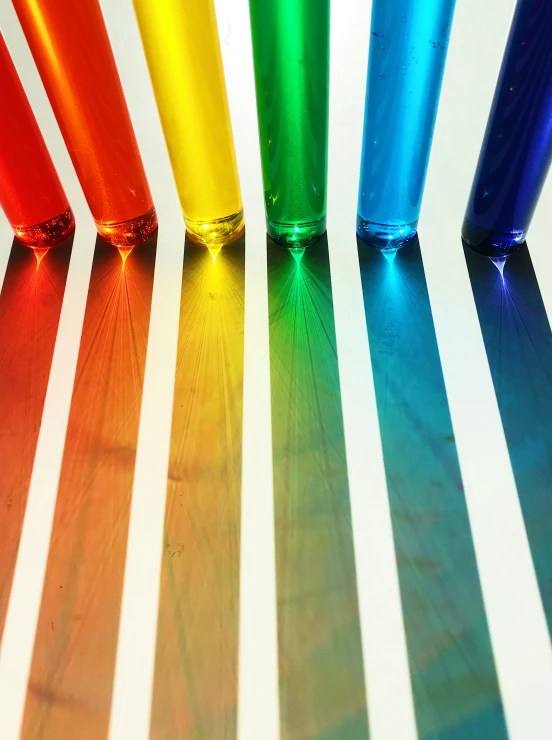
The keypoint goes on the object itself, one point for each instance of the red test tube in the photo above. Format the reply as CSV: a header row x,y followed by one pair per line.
x,y
71,48
31,194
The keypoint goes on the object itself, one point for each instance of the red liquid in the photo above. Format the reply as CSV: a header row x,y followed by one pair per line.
x,y
71,48
31,194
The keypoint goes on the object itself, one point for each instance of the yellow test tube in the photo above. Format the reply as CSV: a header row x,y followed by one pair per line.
x,y
182,48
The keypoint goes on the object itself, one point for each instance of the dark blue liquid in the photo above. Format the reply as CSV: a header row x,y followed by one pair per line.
x,y
517,149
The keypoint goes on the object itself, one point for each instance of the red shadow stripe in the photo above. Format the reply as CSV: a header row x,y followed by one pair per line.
x,y
30,307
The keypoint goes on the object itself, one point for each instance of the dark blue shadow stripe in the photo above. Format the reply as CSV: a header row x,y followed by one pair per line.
x,y
518,341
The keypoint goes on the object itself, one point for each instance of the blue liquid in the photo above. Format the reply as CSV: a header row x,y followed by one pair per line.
x,y
408,48
517,149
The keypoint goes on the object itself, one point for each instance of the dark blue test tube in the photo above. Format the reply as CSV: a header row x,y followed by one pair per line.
x,y
517,149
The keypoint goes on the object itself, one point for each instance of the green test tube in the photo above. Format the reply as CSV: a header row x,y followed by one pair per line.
x,y
291,41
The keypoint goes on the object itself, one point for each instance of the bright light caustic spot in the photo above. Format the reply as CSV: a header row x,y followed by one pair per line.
x,y
40,254
214,249
297,253
390,255
499,263
124,252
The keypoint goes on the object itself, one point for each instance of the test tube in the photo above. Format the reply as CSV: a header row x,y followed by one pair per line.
x,y
31,194
71,48
291,41
408,47
517,148
182,48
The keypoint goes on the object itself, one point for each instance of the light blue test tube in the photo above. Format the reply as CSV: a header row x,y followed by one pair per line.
x,y
408,47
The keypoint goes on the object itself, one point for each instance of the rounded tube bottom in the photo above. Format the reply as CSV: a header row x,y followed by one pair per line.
x,y
491,243
298,235
128,234
218,232
386,236
47,234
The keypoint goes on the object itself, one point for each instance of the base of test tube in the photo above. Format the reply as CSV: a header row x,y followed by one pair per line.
x,y
298,235
217,233
491,243
47,234
129,233
390,236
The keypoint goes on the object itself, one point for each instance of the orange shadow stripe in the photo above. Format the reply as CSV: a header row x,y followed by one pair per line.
x,y
69,693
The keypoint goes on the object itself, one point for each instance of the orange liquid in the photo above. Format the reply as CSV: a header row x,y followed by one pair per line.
x,y
31,194
71,48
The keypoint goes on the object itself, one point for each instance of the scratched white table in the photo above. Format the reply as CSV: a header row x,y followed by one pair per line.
x,y
228,509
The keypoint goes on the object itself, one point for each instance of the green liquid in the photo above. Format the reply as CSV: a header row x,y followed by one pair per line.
x,y
291,57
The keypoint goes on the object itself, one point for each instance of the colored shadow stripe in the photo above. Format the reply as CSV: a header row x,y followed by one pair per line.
x,y
322,693
30,306
453,675
518,341
69,691
196,669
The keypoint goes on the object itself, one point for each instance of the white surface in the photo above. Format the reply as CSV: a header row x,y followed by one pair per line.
x,y
518,630
258,708
389,694
134,670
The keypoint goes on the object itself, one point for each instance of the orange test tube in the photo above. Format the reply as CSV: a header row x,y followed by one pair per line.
x,y
31,194
71,48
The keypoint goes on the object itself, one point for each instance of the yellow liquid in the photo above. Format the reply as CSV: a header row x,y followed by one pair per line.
x,y
182,48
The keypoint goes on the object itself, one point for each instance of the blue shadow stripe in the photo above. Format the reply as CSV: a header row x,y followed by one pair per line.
x,y
451,662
